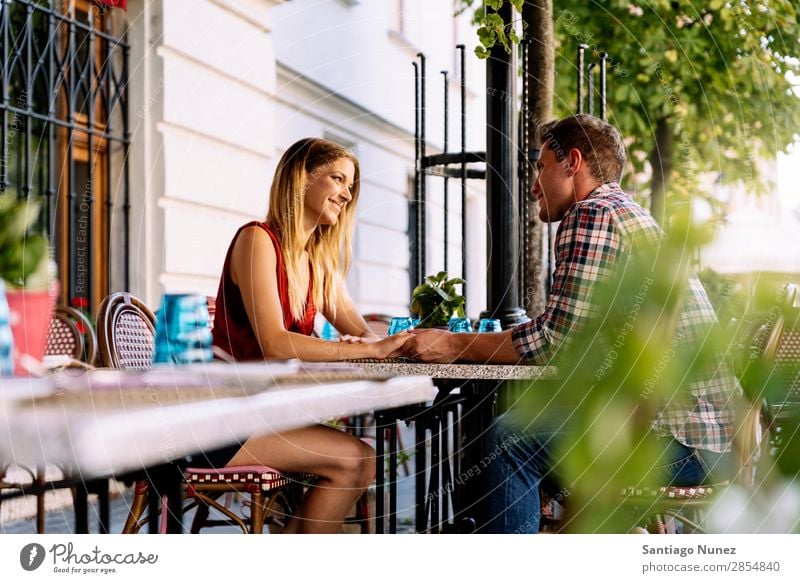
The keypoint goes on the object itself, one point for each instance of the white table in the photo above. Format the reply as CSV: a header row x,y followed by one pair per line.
x,y
97,440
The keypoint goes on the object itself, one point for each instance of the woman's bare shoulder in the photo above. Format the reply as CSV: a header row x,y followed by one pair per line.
x,y
252,250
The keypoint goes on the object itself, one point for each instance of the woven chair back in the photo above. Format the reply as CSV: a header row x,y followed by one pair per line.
x,y
64,338
72,334
378,323
126,332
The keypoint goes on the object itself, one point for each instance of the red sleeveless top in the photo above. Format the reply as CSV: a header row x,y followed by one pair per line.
x,y
233,331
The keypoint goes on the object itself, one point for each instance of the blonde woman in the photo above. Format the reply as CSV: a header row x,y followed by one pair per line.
x,y
277,274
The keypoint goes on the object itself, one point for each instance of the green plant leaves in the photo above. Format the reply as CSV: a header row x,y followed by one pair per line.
x,y
436,300
23,255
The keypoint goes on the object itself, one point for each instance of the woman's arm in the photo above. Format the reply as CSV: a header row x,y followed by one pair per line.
x,y
253,266
348,321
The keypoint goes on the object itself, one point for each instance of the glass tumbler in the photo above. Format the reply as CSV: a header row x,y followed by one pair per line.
x,y
398,324
489,325
183,335
459,325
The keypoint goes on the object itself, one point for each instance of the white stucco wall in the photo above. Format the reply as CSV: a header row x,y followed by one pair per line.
x,y
202,82
220,87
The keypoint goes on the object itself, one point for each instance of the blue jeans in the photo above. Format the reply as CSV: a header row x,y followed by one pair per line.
x,y
524,461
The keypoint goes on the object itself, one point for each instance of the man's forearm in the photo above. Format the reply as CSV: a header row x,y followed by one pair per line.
x,y
495,348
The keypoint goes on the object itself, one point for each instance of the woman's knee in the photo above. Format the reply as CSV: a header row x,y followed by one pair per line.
x,y
367,465
355,461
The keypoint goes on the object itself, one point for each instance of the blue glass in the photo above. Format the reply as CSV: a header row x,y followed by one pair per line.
x,y
414,322
6,339
489,325
183,334
398,324
329,332
459,325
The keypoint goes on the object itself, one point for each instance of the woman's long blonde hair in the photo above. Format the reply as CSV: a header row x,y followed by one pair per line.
x,y
328,247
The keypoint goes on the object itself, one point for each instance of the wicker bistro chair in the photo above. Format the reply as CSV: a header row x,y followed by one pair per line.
x,y
772,347
779,353
126,332
127,341
71,334
378,323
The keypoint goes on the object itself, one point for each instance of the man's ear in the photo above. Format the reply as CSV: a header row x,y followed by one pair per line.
x,y
574,161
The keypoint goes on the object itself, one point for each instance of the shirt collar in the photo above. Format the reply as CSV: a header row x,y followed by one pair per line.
x,y
606,188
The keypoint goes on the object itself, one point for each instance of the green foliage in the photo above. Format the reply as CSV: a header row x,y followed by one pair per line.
x,y
491,27
728,296
715,72
23,254
435,300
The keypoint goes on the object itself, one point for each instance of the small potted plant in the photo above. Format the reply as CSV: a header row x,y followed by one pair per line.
x,y
25,272
436,300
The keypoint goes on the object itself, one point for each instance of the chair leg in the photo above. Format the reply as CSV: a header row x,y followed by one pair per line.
x,y
137,508
41,511
80,498
200,516
256,513
101,488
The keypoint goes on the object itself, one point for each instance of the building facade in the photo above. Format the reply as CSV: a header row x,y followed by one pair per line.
x,y
173,114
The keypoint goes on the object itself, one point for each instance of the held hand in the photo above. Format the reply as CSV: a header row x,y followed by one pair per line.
x,y
352,339
433,346
391,346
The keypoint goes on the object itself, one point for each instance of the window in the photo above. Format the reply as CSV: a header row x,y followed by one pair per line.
x,y
64,133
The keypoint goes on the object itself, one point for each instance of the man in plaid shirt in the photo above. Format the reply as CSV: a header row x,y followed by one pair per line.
x,y
581,162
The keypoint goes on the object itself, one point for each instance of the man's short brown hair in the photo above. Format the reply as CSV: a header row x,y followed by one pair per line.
x,y
598,141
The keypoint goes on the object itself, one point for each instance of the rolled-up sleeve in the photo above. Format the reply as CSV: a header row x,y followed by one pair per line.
x,y
586,248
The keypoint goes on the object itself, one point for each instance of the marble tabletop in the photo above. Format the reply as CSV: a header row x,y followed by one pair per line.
x,y
461,371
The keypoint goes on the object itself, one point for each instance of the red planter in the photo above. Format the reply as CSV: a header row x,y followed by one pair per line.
x,y
29,314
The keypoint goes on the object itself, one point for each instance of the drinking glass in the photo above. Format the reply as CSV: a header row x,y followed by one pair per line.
x,y
459,325
329,332
398,324
183,335
489,325
6,339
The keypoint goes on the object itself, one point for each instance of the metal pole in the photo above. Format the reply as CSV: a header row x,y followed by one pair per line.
x,y
590,71
501,186
581,50
524,169
463,88
603,66
446,180
417,274
421,215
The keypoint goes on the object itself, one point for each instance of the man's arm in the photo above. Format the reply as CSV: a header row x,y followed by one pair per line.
x,y
441,346
587,248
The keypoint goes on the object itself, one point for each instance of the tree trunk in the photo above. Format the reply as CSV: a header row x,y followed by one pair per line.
x,y
540,80
661,159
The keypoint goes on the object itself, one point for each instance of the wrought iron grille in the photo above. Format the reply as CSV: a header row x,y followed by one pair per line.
x,y
65,135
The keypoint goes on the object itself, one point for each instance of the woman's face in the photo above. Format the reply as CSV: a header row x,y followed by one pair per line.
x,y
327,192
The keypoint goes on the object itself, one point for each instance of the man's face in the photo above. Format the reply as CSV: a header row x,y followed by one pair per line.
x,y
553,187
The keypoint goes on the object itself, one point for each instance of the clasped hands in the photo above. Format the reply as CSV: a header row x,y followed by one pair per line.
x,y
423,345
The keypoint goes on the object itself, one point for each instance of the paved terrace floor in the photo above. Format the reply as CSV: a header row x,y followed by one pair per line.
x,y
17,516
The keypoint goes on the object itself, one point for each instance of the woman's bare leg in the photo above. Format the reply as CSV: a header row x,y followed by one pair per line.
x,y
345,465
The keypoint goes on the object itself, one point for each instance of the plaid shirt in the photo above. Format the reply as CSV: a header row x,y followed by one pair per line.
x,y
594,236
